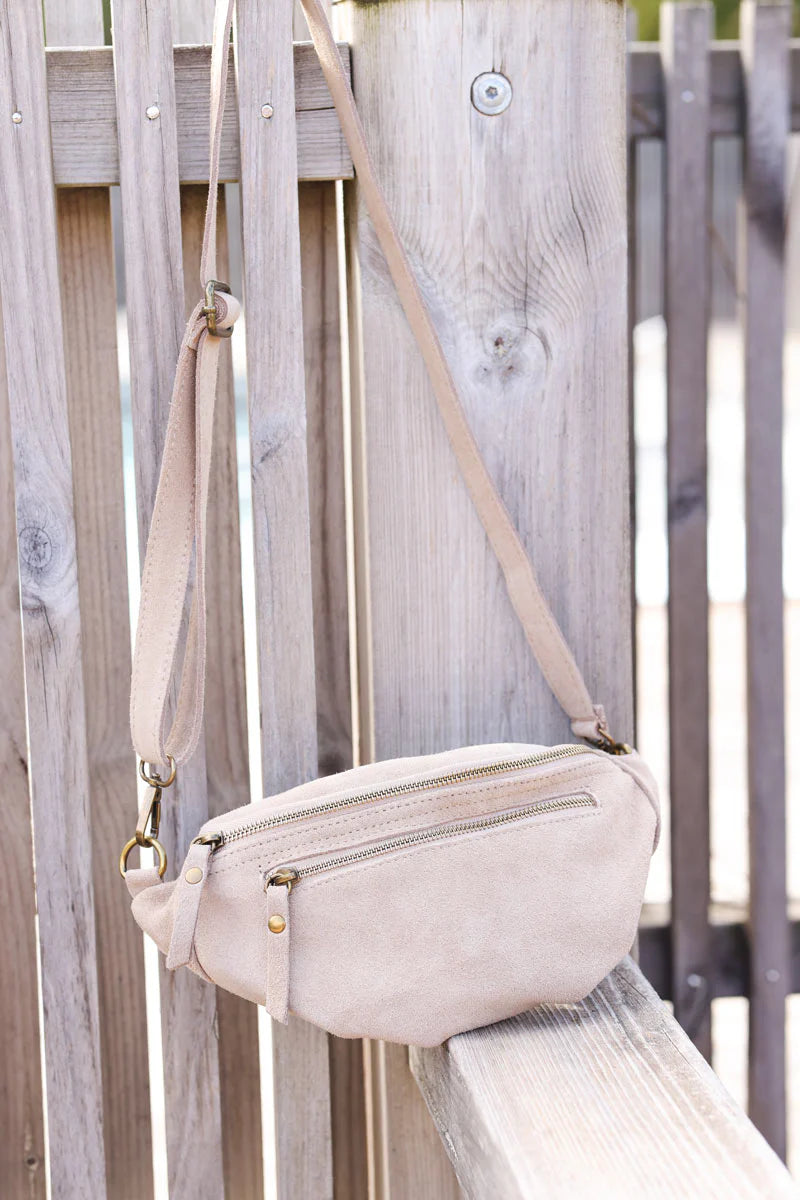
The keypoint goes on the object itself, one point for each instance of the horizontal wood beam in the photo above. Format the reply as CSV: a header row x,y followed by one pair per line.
x,y
646,83
605,1097
83,118
730,949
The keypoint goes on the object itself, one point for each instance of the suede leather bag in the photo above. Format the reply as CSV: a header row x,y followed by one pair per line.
x,y
404,900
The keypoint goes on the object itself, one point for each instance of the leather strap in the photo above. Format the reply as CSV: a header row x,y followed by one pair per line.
x,y
179,515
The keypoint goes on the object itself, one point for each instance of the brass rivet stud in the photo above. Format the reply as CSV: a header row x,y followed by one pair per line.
x,y
277,924
193,875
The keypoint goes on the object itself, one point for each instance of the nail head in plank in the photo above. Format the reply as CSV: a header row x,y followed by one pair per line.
x,y
58,763
765,30
83,117
685,36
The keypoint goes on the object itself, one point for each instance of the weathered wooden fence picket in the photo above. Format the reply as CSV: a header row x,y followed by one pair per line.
x,y
374,590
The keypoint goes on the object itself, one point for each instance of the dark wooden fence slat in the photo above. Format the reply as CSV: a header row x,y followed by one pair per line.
x,y
56,726
685,33
765,30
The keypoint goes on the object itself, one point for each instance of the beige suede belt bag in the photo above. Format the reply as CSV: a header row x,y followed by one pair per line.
x,y
526,864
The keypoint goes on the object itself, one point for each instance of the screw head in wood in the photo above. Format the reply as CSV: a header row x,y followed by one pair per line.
x,y
267,111
152,111
276,923
491,93
16,117
694,980
193,875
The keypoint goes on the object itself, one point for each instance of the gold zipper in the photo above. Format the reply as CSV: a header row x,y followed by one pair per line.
x,y
288,876
226,836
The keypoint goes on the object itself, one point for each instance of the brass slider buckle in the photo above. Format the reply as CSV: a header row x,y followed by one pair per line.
x,y
149,838
210,311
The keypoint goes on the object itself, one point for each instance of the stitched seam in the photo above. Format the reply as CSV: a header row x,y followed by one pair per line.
x,y
333,826
397,856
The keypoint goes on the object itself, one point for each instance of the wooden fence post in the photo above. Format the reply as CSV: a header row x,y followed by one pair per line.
x,y
516,227
765,32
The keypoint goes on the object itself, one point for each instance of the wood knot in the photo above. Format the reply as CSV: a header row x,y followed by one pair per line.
x,y
35,548
512,353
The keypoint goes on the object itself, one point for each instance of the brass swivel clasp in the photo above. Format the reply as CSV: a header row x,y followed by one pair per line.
x,y
146,834
210,310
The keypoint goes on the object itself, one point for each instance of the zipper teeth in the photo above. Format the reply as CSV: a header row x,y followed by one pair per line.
x,y
558,804
399,789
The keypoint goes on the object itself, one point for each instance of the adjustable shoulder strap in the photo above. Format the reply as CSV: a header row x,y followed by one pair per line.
x,y
180,507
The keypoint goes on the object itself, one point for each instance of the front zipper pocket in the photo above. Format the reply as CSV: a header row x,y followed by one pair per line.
x,y
279,882
287,876
224,837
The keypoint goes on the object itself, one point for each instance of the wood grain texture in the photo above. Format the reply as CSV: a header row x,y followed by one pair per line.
x,y
685,34
226,717
22,1150
86,262
226,711
520,258
56,727
604,1098
155,313
89,295
83,118
319,257
765,31
279,465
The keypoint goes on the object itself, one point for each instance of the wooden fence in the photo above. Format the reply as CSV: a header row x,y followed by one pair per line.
x,y
360,523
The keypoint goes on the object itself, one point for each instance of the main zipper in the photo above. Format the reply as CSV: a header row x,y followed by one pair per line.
x,y
226,836
287,876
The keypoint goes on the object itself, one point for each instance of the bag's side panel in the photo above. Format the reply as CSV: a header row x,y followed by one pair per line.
x,y
515,224
279,465
56,727
146,121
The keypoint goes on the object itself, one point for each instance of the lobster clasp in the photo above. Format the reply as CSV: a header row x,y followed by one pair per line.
x,y
210,309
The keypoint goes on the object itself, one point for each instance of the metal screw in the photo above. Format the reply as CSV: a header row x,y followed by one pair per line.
x,y
694,980
491,93
16,117
152,112
772,975
687,97
267,111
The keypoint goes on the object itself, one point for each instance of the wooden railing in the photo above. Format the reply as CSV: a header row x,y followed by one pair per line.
x,y
359,523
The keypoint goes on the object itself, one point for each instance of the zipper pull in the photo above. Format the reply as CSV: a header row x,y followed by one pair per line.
x,y
277,886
